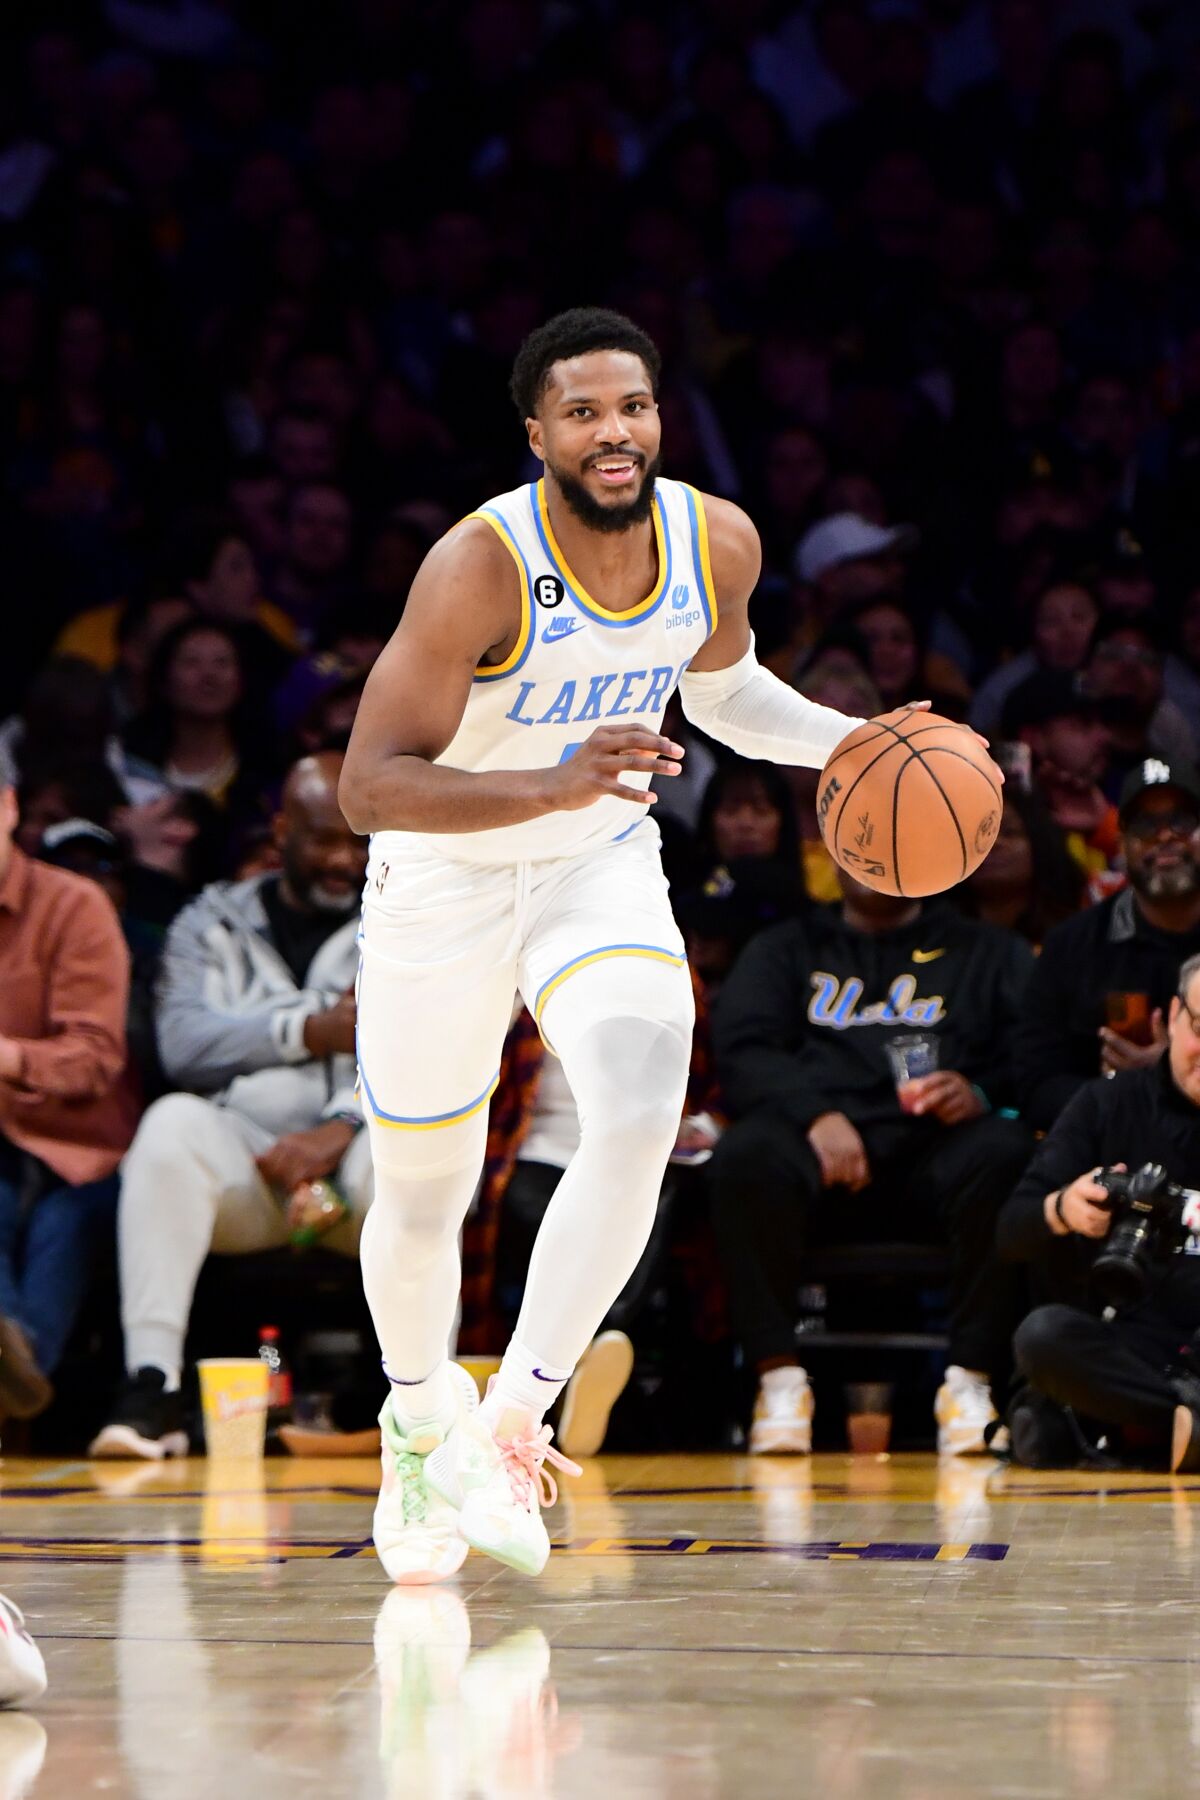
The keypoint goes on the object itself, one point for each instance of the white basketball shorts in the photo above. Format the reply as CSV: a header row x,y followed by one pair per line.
x,y
447,945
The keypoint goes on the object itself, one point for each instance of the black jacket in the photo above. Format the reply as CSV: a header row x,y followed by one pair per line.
x,y
1135,1118
802,1021
1107,949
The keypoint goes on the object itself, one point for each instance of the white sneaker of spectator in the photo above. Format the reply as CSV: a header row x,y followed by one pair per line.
x,y
783,1414
22,1671
963,1410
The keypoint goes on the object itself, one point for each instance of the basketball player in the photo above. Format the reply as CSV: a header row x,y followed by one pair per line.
x,y
501,761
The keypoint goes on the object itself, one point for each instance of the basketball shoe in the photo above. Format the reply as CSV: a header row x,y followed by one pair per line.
x,y
416,1531
499,1484
601,1377
22,1671
964,1411
783,1414
146,1422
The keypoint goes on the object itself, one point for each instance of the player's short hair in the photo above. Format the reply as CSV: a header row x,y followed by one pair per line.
x,y
575,333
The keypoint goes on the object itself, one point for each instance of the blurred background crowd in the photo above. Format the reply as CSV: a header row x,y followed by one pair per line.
x,y
924,277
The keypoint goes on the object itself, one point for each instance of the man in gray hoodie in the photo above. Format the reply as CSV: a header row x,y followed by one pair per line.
x,y
255,1015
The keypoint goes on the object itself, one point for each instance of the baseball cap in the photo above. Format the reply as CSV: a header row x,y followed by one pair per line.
x,y
848,537
313,679
63,842
1045,695
1156,772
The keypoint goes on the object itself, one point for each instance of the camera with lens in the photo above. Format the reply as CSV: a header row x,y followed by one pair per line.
x,y
1152,1219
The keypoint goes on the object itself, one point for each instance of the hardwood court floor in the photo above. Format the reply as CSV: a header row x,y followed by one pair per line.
x,y
860,1629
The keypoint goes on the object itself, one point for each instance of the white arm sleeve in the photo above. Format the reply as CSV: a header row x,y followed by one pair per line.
x,y
756,714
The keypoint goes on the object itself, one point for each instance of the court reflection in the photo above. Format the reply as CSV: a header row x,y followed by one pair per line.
x,y
22,1753
457,1721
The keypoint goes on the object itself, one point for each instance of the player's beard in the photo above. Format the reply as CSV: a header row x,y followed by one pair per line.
x,y
597,517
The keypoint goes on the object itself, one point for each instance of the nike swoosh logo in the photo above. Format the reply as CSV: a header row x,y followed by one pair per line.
x,y
538,1376
923,956
561,628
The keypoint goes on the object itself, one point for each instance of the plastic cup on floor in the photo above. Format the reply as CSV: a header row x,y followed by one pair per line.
x,y
233,1395
869,1417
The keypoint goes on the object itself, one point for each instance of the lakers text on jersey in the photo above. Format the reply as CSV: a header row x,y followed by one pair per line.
x,y
575,665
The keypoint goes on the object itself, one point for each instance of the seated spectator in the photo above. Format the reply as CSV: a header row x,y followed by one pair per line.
x,y
67,1112
826,1145
1125,672
747,871
533,1132
211,571
1028,881
312,572
217,570
1064,617
170,844
900,662
1068,742
747,812
1104,980
197,728
842,561
68,717
256,1025
1130,1375
120,639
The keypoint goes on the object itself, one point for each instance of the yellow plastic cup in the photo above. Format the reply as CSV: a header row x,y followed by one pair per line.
x,y
233,1395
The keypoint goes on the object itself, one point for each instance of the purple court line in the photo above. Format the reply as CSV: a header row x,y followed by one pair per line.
x,y
93,1550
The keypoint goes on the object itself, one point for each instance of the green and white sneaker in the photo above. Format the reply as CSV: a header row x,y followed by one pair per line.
x,y
416,1532
499,1484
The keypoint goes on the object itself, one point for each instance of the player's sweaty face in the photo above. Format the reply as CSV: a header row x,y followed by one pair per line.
x,y
598,424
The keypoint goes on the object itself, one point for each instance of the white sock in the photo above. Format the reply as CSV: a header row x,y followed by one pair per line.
x,y
422,1401
524,1384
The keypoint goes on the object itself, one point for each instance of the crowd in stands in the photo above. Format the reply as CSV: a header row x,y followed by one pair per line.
x,y
926,279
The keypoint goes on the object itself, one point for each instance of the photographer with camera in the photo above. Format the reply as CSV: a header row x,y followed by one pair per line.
x,y
1103,1217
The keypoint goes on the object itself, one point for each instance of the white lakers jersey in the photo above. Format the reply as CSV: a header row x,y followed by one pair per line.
x,y
576,665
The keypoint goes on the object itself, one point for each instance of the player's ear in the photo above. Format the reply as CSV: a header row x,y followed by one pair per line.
x,y
534,428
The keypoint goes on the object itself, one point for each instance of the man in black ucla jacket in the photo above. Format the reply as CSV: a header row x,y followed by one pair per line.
x,y
822,1148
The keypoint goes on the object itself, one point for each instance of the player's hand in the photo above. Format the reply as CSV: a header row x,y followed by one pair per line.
x,y
598,764
1084,1207
927,706
1117,1053
305,1155
945,1095
840,1151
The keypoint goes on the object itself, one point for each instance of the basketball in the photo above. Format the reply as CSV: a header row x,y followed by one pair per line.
x,y
910,803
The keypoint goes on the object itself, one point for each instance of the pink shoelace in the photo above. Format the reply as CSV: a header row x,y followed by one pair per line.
x,y
524,1456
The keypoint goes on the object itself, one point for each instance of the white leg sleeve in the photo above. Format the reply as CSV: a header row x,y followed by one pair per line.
x,y
756,714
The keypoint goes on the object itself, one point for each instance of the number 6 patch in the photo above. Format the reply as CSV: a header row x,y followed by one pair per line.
x,y
548,590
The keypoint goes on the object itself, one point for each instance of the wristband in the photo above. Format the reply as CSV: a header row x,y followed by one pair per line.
x,y
981,1097
1058,1211
353,1119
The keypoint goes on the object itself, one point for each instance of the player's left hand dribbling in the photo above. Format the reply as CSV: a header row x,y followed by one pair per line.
x,y
599,763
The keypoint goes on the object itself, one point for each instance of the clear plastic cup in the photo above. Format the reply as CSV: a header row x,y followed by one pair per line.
x,y
911,1055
